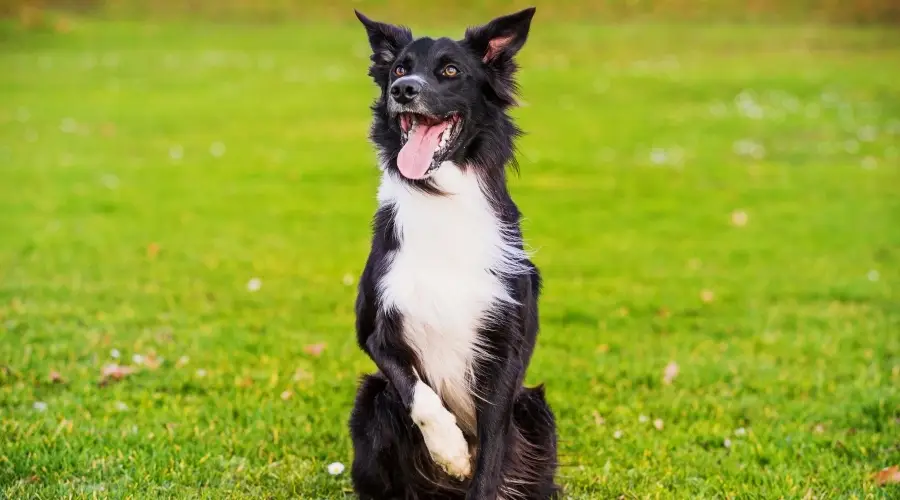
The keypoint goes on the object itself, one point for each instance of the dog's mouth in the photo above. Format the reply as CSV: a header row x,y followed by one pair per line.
x,y
426,142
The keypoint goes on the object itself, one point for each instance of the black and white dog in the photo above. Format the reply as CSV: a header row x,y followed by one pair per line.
x,y
448,301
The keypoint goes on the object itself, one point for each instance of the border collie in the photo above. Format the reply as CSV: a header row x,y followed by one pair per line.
x,y
447,306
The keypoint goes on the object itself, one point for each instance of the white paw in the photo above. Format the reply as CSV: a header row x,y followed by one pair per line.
x,y
443,438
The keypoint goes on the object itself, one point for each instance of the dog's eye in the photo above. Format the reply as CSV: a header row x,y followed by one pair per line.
x,y
399,70
450,71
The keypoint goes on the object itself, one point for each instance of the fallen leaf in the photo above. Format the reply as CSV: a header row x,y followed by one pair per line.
x,y
739,218
670,372
888,475
67,424
115,371
314,349
55,377
152,362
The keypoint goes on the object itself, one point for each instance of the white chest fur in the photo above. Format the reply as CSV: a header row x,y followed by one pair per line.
x,y
440,279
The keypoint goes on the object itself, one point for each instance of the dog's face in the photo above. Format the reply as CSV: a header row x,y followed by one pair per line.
x,y
441,99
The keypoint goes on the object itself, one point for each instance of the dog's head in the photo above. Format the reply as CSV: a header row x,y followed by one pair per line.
x,y
445,100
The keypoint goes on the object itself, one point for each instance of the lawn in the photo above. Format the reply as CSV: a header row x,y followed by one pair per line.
x,y
716,210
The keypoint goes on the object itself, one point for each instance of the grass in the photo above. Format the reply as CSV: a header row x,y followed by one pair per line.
x,y
720,197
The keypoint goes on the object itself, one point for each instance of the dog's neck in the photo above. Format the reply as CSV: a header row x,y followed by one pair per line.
x,y
450,180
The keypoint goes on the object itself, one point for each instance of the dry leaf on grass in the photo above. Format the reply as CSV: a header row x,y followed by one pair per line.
x,y
670,373
314,349
115,372
888,475
55,377
152,362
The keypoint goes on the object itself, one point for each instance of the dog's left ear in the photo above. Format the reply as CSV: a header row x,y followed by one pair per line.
x,y
386,41
496,43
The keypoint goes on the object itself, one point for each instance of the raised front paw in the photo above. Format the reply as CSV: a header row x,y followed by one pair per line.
x,y
443,438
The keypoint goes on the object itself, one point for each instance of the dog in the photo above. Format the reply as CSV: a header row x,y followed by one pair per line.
x,y
447,305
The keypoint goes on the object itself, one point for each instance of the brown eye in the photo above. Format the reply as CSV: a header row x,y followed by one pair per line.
x,y
399,70
450,71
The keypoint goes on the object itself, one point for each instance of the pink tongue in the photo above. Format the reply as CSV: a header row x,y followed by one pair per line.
x,y
415,156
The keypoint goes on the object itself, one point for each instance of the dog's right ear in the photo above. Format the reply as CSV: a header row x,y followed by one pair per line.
x,y
386,41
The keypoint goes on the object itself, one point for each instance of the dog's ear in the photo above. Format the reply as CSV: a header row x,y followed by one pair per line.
x,y
386,41
495,43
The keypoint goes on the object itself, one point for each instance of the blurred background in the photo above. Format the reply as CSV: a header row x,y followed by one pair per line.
x,y
803,11
711,190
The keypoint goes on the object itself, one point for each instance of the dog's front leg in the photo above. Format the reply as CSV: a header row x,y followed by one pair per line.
x,y
394,358
501,377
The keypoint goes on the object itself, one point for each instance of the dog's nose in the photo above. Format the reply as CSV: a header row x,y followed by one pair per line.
x,y
405,90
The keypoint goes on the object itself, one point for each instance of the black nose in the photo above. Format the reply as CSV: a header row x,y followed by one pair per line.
x,y
405,90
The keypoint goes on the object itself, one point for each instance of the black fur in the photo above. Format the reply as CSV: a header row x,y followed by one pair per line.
x,y
514,443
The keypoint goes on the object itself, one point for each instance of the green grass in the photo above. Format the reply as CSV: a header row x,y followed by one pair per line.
x,y
643,142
